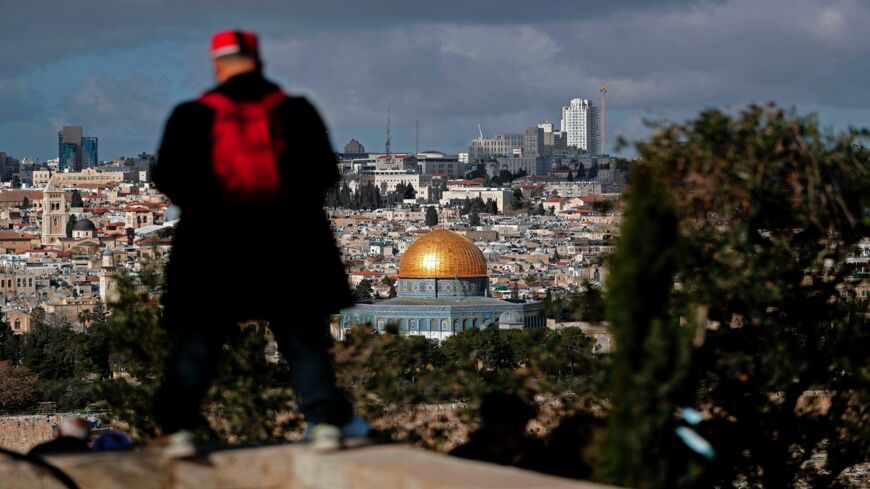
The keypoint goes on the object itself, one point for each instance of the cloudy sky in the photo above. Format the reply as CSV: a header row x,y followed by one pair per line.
x,y
117,67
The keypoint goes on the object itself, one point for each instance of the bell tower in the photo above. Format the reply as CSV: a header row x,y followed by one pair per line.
x,y
108,285
54,213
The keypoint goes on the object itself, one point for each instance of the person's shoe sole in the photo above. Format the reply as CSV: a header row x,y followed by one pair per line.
x,y
359,441
325,446
179,451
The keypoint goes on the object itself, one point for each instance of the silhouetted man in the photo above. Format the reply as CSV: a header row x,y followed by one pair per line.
x,y
248,165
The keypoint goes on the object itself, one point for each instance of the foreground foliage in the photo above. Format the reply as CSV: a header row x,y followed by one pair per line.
x,y
767,209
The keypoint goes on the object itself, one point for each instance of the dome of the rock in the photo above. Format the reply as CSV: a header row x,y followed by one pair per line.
x,y
442,254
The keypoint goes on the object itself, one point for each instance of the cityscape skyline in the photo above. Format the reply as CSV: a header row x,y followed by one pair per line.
x,y
449,68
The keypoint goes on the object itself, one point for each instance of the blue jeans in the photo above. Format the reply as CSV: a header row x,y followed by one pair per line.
x,y
305,344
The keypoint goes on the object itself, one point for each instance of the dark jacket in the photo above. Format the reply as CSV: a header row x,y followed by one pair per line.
x,y
63,444
252,260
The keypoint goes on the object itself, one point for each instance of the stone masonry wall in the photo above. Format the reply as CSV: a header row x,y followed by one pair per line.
x,y
21,433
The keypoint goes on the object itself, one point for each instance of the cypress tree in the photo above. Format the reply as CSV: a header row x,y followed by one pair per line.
x,y
641,449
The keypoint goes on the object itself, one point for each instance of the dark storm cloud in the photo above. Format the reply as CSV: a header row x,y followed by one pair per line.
x,y
795,52
130,108
38,32
450,64
18,101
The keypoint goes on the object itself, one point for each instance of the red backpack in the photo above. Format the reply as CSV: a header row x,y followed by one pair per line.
x,y
246,145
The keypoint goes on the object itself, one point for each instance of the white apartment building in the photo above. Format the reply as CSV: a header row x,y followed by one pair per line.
x,y
580,123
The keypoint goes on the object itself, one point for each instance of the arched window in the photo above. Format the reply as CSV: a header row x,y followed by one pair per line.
x,y
17,324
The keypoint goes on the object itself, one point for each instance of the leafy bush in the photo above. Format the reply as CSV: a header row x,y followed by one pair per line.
x,y
764,313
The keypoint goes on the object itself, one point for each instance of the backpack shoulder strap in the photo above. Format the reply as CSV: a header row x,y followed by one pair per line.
x,y
216,100
272,99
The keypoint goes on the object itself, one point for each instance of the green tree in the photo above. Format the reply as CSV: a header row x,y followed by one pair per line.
x,y
70,223
16,181
504,176
474,218
641,449
96,318
76,200
517,199
592,172
25,203
46,352
591,304
363,290
767,207
10,344
431,216
407,191
478,172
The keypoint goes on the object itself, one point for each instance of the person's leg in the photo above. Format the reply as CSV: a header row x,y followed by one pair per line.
x,y
305,344
190,368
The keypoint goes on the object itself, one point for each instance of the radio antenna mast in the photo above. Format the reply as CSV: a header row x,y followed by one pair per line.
x,y
389,140
603,149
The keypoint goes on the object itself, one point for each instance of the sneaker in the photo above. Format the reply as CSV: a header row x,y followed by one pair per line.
x,y
356,432
177,445
324,437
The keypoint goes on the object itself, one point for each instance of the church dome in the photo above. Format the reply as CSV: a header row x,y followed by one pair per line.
x,y
84,225
442,254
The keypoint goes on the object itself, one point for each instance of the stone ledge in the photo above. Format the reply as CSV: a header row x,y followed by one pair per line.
x,y
281,467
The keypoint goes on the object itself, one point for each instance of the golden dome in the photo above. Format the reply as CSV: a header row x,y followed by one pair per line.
x,y
442,254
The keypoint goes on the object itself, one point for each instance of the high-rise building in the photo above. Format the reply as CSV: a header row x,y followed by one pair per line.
x,y
90,149
533,142
74,151
548,132
8,166
580,124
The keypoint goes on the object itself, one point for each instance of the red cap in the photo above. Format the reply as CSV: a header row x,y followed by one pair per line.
x,y
235,42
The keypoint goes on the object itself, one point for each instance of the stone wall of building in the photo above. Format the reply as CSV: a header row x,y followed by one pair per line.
x,y
21,433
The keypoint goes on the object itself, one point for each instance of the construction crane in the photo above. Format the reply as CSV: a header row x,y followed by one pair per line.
x,y
480,131
603,91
